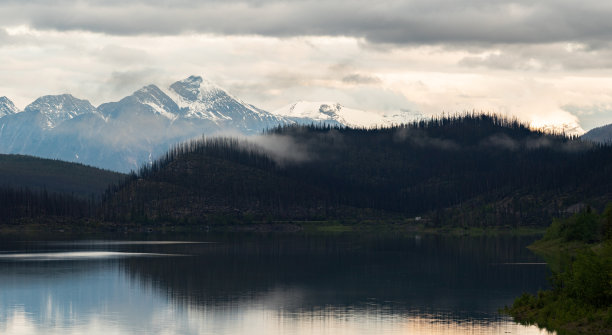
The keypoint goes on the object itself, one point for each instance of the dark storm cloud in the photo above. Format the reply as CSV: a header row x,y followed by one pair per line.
x,y
384,21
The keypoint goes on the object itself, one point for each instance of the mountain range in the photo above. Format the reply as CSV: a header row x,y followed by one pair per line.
x,y
123,135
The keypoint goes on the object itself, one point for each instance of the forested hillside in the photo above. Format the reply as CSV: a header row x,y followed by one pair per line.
x,y
469,170
54,176
33,187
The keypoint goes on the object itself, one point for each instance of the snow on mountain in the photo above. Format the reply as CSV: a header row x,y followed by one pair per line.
x,y
55,109
147,100
335,114
28,132
305,112
7,107
203,99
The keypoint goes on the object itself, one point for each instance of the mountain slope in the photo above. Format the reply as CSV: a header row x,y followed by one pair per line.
x,y
54,109
17,172
601,134
25,132
204,100
147,100
7,107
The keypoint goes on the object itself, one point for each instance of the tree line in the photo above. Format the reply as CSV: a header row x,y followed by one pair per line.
x,y
470,168
475,169
24,203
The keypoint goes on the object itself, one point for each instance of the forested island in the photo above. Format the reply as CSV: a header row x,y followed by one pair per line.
x,y
473,170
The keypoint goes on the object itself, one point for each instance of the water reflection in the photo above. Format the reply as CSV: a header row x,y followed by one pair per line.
x,y
73,255
110,243
275,285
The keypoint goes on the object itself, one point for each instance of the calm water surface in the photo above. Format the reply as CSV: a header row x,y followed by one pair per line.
x,y
266,284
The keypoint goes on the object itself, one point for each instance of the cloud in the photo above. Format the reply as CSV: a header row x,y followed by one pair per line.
x,y
424,56
537,143
121,55
282,149
591,115
361,79
541,57
504,142
131,80
386,21
501,141
4,37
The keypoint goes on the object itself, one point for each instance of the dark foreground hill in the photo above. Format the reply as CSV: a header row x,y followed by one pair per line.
x,y
470,170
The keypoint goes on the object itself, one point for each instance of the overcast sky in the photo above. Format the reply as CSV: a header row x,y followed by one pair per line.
x,y
546,62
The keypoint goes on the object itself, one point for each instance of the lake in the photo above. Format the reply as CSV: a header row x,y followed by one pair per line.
x,y
240,283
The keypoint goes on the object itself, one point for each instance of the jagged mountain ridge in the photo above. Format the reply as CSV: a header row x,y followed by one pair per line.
x,y
203,99
56,109
125,134
7,107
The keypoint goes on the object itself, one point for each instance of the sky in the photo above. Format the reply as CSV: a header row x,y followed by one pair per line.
x,y
548,63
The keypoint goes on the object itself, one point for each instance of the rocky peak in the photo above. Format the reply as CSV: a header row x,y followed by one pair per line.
x,y
7,107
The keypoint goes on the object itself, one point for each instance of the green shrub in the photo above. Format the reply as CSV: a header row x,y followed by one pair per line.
x,y
607,223
583,226
589,279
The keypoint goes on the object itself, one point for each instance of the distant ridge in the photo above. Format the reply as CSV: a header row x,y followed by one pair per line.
x,y
601,134
53,176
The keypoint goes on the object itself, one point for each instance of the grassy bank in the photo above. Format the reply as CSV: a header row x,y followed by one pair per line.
x,y
579,252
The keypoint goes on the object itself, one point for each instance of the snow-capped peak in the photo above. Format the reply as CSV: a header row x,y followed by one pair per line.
x,y
158,101
196,88
311,109
329,112
7,107
58,108
204,99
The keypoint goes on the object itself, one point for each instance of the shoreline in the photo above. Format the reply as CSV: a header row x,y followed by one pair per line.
x,y
557,312
325,227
